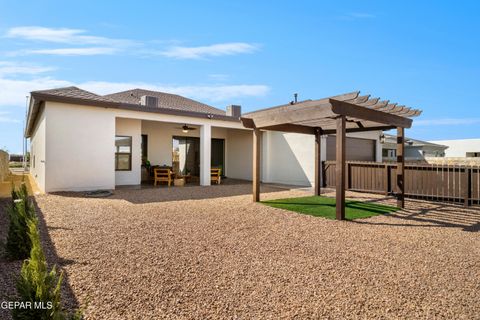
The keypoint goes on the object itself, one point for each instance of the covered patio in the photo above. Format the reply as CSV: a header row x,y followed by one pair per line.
x,y
339,115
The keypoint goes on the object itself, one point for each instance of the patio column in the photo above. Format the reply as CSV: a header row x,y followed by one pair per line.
x,y
257,136
205,154
318,161
401,167
340,168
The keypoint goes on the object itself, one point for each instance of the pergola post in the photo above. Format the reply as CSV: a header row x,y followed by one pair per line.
x,y
401,167
340,168
256,165
318,161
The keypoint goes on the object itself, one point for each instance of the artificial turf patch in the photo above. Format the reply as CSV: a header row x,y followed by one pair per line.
x,y
325,207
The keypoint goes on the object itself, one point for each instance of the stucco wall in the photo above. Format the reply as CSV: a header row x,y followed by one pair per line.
x,y
239,154
38,151
131,128
459,148
80,144
289,157
4,171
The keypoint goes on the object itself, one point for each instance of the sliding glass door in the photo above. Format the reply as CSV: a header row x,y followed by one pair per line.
x,y
186,155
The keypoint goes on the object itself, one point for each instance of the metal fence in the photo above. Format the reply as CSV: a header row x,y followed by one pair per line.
x,y
439,182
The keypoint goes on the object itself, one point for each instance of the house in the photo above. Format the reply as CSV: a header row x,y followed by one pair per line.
x,y
461,148
84,141
415,150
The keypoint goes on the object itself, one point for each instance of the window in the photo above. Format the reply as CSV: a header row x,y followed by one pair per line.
x,y
123,153
389,153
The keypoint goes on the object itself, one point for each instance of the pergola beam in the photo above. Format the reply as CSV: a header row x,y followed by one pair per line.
x,y
300,105
360,99
307,112
340,168
352,110
290,127
382,128
401,167
257,134
318,161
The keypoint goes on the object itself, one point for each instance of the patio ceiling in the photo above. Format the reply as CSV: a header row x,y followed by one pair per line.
x,y
362,113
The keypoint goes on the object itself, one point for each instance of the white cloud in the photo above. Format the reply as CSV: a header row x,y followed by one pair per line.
x,y
14,90
6,118
220,49
81,43
73,51
61,35
214,93
8,68
447,122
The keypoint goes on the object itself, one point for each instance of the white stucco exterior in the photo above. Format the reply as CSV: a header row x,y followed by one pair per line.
x,y
38,151
131,128
289,158
460,148
79,144
74,148
239,154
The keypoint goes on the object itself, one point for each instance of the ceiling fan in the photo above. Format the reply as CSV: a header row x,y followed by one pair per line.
x,y
186,128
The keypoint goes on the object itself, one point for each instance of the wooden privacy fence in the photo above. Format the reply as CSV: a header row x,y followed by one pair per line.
x,y
440,182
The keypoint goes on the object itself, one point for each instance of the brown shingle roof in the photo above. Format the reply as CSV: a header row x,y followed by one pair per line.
x,y
165,100
73,92
128,100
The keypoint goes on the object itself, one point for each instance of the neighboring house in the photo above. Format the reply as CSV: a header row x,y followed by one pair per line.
x,y
414,149
16,157
461,148
83,141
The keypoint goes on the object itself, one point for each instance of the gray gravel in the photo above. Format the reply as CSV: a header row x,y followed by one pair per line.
x,y
148,254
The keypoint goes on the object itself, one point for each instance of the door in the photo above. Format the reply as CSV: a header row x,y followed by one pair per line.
x,y
357,149
218,154
186,155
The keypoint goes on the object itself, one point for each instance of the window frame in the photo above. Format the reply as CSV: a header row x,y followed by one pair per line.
x,y
123,153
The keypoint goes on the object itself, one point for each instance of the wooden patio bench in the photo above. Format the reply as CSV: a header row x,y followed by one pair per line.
x,y
162,175
216,175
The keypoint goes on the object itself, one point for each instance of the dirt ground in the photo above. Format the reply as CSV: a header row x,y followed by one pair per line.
x,y
209,252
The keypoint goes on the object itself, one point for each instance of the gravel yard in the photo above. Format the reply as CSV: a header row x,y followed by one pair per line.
x,y
189,253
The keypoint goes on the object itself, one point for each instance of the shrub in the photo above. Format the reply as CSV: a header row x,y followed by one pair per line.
x,y
36,284
21,209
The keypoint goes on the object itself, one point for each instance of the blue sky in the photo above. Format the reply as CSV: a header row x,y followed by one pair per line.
x,y
423,54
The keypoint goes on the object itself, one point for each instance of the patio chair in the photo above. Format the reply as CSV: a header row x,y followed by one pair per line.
x,y
216,175
162,175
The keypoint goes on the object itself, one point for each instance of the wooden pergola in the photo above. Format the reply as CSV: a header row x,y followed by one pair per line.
x,y
337,115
